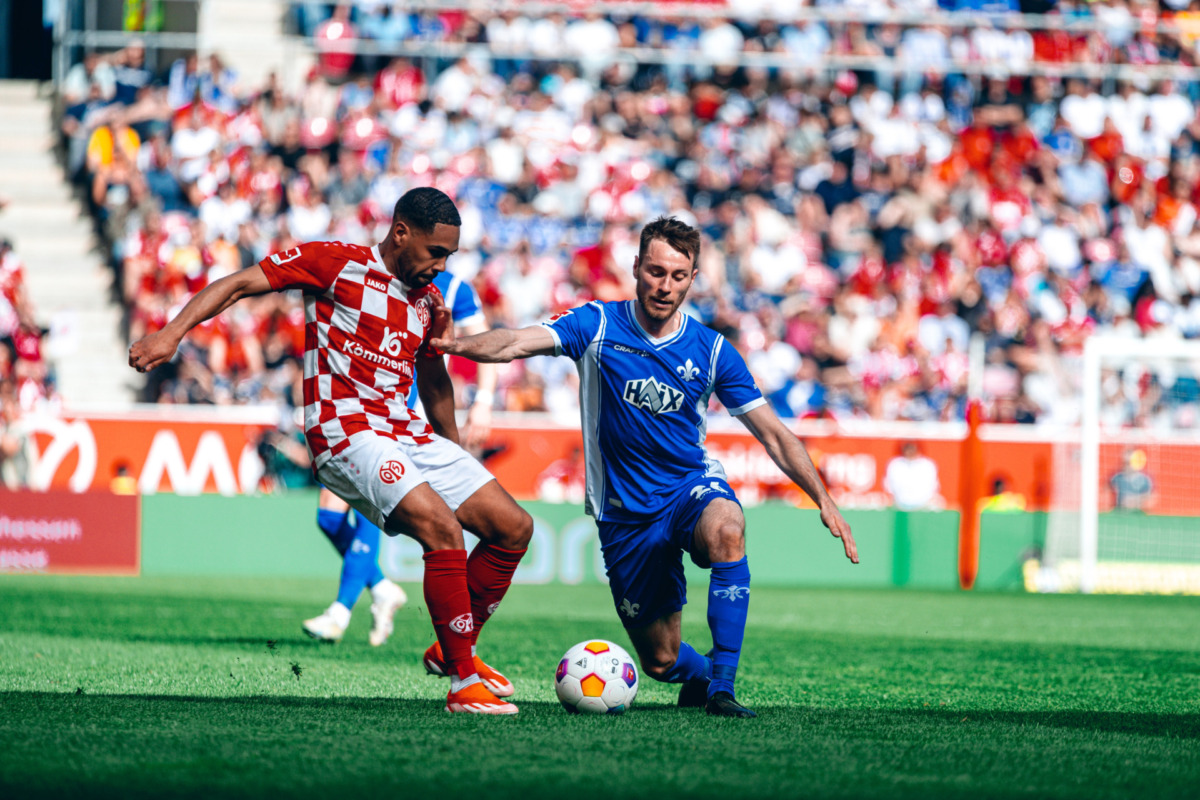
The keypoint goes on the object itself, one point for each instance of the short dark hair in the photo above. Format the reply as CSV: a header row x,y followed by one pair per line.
x,y
679,235
425,207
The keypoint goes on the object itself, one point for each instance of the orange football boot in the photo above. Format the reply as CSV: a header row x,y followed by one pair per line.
x,y
476,699
495,682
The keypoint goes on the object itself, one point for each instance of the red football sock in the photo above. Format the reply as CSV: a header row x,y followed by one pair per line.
x,y
489,574
449,604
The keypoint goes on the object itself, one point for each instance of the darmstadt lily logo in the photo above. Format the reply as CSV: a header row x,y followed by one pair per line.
x,y
688,371
629,609
733,592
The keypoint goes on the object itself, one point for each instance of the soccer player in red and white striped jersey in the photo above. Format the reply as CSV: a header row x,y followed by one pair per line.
x,y
369,317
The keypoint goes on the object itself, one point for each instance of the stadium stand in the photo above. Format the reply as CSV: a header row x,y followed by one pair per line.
x,y
861,225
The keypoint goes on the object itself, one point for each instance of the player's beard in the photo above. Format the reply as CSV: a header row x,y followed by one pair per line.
x,y
657,312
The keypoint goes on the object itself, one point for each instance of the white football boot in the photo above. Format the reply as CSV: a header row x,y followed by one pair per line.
x,y
387,598
330,626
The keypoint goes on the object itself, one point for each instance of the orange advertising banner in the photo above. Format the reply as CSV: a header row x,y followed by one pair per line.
x,y
184,451
192,451
94,533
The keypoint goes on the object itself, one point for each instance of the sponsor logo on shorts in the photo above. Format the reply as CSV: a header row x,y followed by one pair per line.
x,y
391,471
699,491
463,623
492,608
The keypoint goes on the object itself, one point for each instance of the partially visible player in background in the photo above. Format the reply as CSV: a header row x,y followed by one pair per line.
x,y
647,372
356,538
466,311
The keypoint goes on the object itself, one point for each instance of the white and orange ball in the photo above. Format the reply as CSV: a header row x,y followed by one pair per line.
x,y
596,677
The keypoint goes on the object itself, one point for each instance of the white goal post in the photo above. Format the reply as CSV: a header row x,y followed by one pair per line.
x,y
1170,563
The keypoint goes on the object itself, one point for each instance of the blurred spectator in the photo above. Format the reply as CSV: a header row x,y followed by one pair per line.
x,y
1132,487
912,480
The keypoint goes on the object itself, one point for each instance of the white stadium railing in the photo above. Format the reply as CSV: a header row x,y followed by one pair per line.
x,y
69,39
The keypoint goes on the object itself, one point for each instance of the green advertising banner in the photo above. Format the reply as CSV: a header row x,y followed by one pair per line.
x,y
277,536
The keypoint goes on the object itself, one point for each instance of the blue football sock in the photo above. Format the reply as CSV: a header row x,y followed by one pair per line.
x,y
369,532
360,562
688,666
728,604
336,526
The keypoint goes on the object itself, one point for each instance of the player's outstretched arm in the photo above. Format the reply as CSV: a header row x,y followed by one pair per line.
x,y
500,345
158,348
789,455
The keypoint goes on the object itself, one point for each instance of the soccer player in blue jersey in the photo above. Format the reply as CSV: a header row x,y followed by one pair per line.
x,y
647,372
355,537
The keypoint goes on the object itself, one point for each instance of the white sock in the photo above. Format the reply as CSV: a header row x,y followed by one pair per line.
x,y
456,683
340,615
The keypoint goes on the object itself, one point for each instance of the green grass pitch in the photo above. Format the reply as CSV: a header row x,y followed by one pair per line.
x,y
145,687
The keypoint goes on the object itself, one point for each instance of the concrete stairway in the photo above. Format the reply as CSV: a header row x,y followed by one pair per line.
x,y
65,273
249,37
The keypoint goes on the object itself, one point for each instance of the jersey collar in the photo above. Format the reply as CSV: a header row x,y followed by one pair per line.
x,y
656,343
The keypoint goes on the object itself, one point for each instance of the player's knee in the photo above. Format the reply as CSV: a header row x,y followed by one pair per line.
x,y
436,531
511,529
442,535
727,543
658,665
521,533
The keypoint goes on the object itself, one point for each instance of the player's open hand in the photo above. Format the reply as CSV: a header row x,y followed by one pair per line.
x,y
832,519
152,351
441,332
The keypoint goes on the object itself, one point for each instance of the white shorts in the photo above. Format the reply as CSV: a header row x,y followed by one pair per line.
x,y
375,473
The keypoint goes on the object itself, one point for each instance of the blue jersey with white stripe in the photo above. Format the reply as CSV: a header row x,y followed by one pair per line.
x,y
465,308
643,404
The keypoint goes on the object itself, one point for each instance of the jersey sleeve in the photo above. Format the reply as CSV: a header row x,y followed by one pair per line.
x,y
311,267
465,304
574,330
734,385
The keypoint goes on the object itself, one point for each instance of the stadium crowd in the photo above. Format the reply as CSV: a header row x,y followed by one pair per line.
x,y
860,227
26,377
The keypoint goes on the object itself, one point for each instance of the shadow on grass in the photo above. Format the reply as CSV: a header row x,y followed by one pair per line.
x,y
1176,726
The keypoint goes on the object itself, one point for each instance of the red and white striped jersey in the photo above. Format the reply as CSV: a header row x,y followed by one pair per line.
x,y
364,332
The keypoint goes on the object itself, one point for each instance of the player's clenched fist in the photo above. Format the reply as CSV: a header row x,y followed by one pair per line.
x,y
151,351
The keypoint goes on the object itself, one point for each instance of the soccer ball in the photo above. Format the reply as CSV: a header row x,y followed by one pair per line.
x,y
596,677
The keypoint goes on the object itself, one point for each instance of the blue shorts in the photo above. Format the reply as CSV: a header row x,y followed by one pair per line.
x,y
644,559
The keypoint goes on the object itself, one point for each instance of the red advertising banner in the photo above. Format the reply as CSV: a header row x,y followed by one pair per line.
x,y
61,532
191,451
547,464
185,451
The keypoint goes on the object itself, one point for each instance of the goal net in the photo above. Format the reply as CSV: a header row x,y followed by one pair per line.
x,y
1126,508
